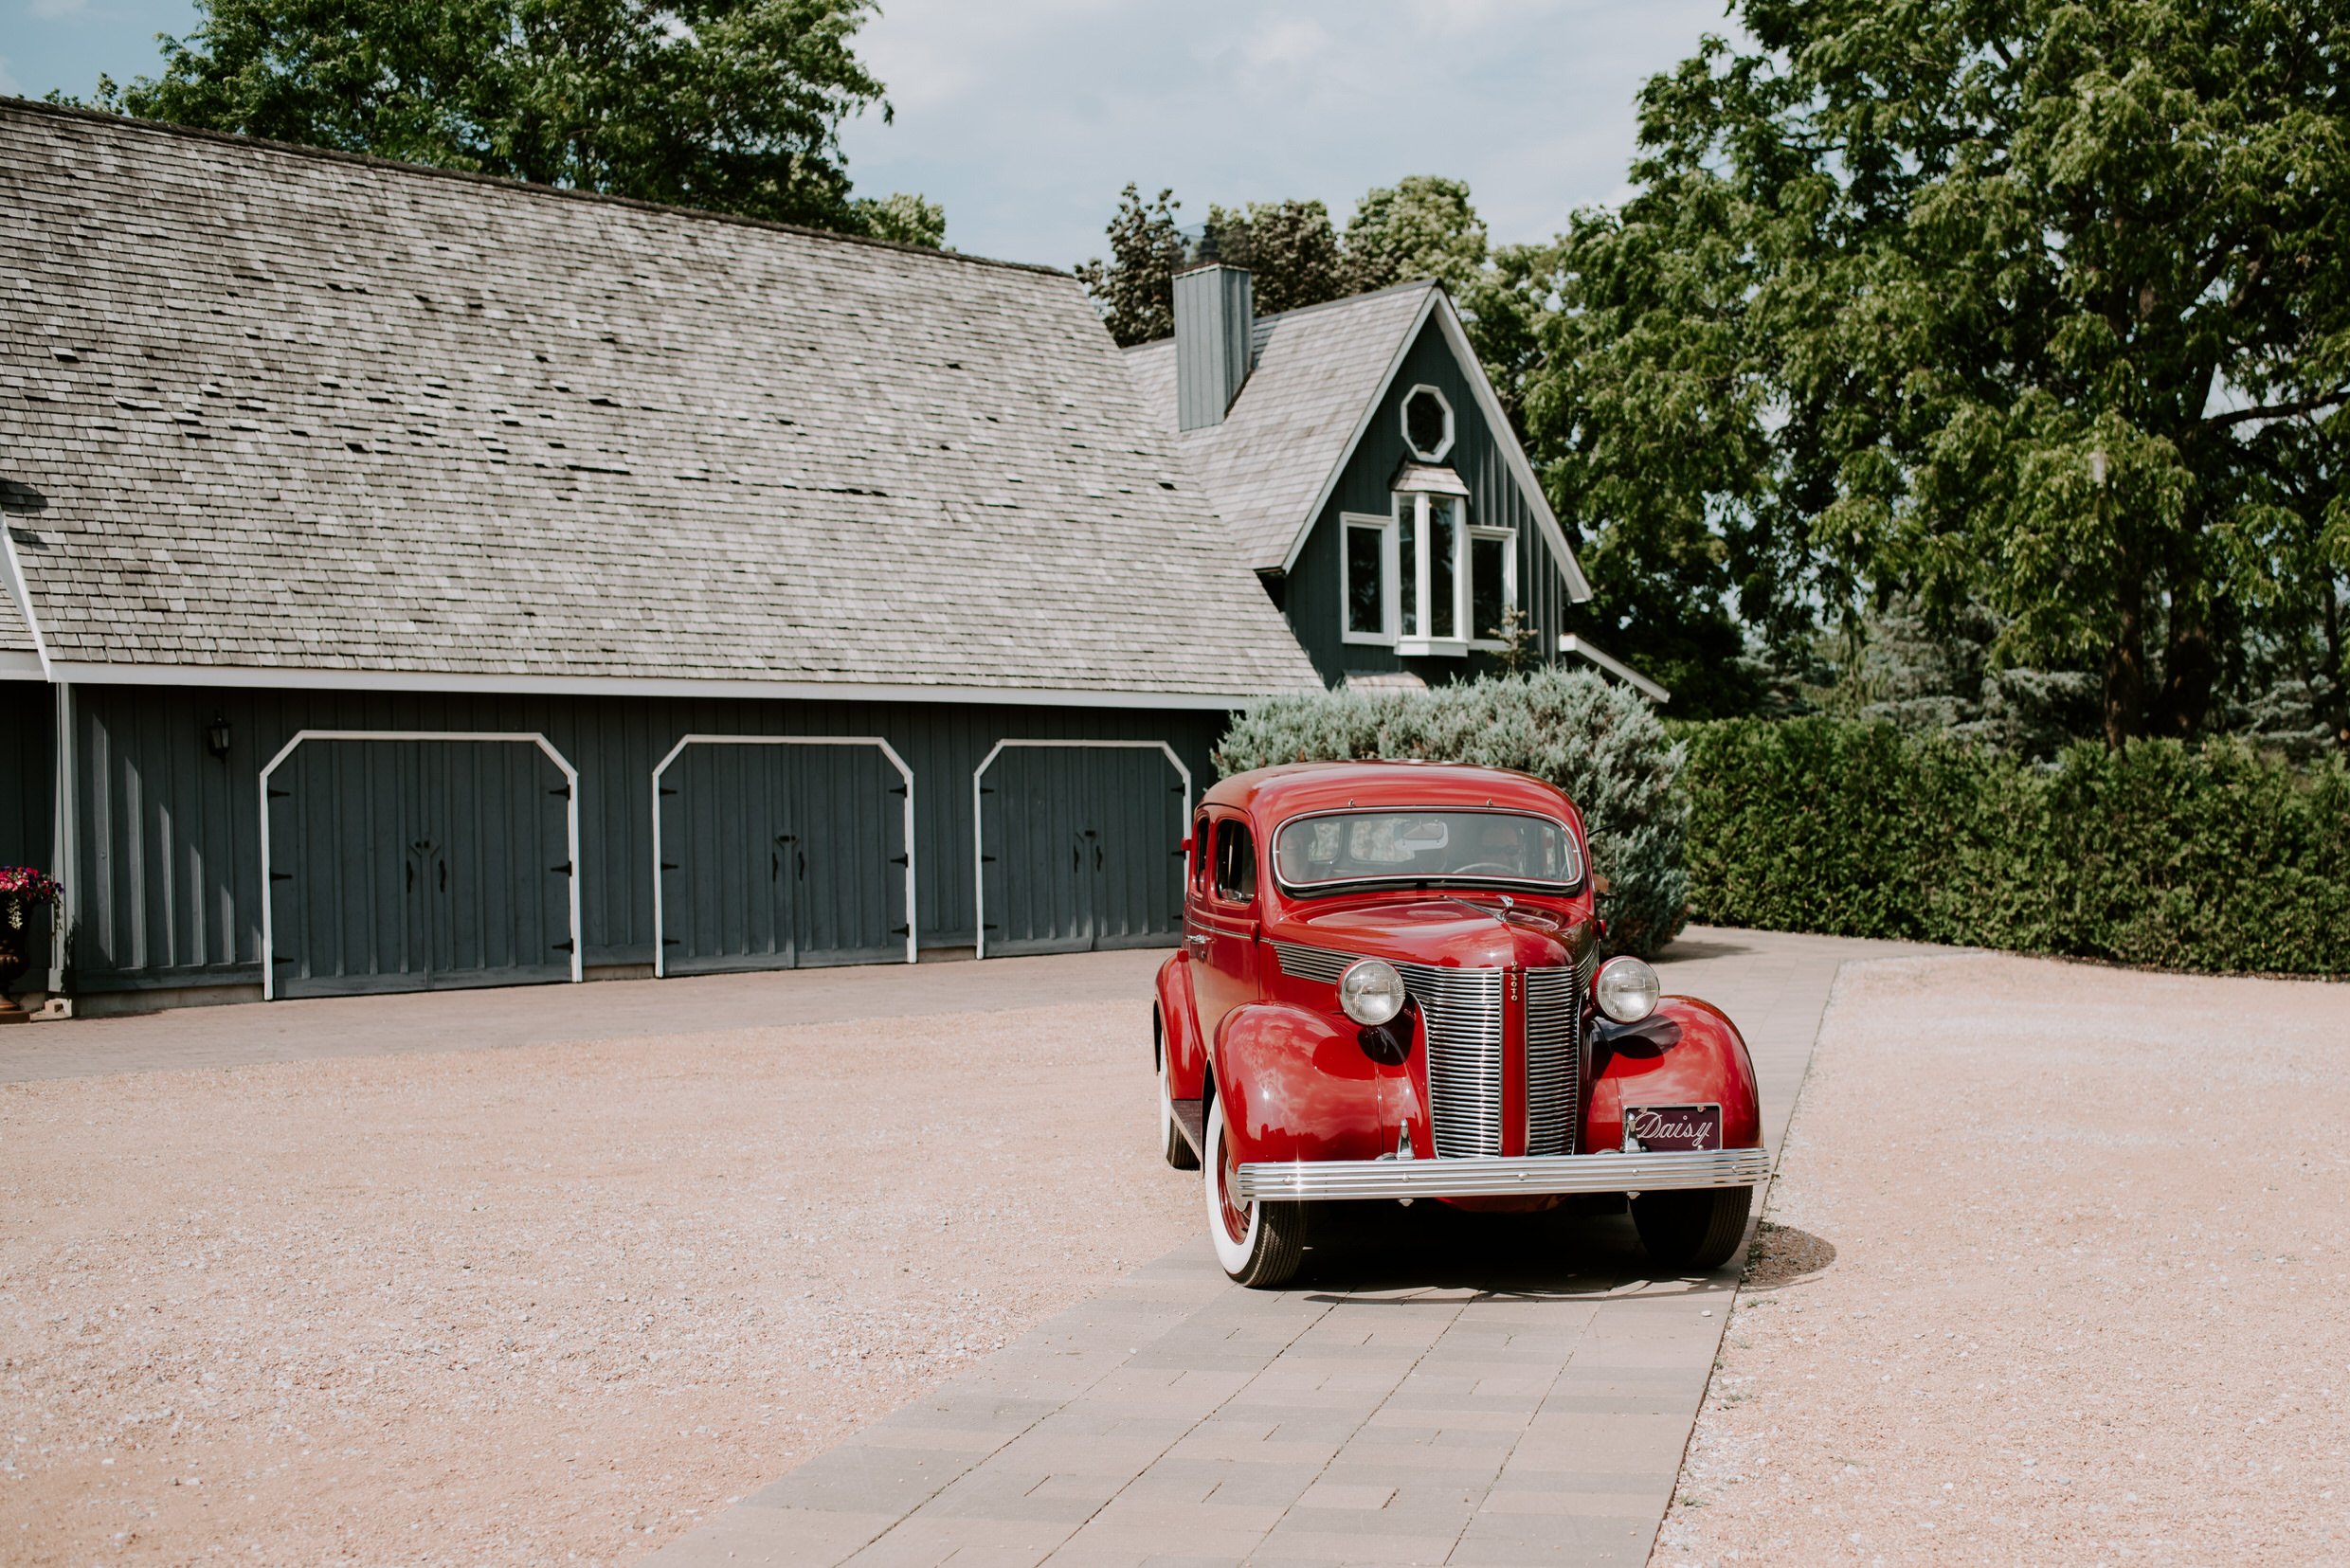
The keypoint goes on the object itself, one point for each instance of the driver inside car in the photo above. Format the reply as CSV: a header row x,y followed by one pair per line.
x,y
1502,845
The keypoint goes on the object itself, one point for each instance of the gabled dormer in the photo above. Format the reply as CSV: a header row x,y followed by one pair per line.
x,y
1369,477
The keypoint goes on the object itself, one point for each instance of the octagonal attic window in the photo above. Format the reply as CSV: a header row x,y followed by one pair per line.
x,y
1427,423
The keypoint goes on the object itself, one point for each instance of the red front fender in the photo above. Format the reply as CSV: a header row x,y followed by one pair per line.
x,y
1180,1026
1708,1065
1296,1085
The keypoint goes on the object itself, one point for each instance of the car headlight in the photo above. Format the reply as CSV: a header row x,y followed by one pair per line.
x,y
1371,992
1627,989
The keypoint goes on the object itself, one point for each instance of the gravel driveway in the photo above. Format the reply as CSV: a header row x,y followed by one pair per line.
x,y
543,1304
2054,1273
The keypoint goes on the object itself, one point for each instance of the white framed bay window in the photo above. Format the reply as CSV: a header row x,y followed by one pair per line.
x,y
1445,581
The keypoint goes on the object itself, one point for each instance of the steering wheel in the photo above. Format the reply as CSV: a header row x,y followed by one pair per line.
x,y
1486,865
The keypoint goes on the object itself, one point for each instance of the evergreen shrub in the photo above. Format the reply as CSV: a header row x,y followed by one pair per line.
x,y
2210,858
1602,743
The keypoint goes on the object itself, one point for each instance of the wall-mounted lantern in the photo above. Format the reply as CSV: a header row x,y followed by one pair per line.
x,y
216,737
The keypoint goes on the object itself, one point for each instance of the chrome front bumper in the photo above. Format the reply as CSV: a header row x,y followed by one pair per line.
x,y
1317,1179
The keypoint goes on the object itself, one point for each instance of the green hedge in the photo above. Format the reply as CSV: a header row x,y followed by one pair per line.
x,y
1601,744
2190,860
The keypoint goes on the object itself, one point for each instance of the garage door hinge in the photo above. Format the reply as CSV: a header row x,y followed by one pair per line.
x,y
673,942
564,790
669,865
897,789
669,792
990,859
898,931
281,794
897,859
282,876
563,870
563,946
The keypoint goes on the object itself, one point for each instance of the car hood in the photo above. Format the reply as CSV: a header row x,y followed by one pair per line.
x,y
1444,932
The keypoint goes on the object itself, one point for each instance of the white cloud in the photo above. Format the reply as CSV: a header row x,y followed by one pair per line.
x,y
1025,117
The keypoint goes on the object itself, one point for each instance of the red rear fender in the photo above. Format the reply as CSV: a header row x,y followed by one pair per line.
x,y
1708,1065
1297,1084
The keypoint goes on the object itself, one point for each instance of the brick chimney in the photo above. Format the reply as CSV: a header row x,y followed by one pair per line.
x,y
1215,308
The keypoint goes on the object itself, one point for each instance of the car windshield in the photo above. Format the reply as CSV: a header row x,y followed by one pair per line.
x,y
1425,846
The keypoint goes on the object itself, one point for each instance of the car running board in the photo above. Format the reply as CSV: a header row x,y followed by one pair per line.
x,y
1187,1116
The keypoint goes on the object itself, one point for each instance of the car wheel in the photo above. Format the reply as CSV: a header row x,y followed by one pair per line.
x,y
1172,1143
1692,1231
1260,1243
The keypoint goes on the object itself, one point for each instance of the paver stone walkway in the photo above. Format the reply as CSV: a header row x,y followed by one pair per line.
x,y
1436,1387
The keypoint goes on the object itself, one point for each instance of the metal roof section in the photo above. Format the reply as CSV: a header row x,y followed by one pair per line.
x,y
1271,463
295,417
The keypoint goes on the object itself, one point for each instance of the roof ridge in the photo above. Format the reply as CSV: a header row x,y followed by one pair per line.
x,y
1308,310
370,160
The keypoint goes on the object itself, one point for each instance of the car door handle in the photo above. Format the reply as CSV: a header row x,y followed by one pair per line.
x,y
1197,941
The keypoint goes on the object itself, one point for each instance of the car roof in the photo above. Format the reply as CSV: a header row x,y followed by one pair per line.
x,y
1273,793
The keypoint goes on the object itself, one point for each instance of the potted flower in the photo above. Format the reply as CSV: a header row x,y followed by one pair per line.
x,y
22,889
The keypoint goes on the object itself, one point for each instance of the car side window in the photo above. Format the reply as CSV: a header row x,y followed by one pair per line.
x,y
1235,863
1202,851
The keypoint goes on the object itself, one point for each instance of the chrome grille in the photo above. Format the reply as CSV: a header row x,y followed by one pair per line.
x,y
1463,1010
1464,1013
1553,1020
1300,961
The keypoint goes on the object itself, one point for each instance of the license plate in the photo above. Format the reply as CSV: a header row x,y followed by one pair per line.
x,y
1670,1129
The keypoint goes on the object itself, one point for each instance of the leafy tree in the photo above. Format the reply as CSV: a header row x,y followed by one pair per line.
x,y
1135,289
1290,248
730,105
1423,228
2037,302
908,219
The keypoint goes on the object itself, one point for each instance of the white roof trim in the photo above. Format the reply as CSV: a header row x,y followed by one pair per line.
x,y
17,666
1578,587
1371,411
23,599
1570,644
629,686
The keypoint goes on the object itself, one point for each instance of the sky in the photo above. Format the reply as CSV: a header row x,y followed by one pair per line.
x,y
1026,117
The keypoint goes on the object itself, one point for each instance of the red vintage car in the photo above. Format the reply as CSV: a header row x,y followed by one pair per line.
x,y
1389,989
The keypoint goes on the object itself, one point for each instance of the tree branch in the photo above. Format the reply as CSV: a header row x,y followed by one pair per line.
x,y
2276,410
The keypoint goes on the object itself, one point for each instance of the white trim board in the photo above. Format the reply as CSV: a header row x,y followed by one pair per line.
x,y
1570,644
240,676
18,591
914,923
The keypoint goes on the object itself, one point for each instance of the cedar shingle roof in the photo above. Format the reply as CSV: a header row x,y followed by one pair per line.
x,y
1318,370
15,636
289,409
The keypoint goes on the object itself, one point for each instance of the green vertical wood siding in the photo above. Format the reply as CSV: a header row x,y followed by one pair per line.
x,y
1312,598
169,858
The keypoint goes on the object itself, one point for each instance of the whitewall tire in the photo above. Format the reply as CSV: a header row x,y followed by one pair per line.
x,y
1261,1243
